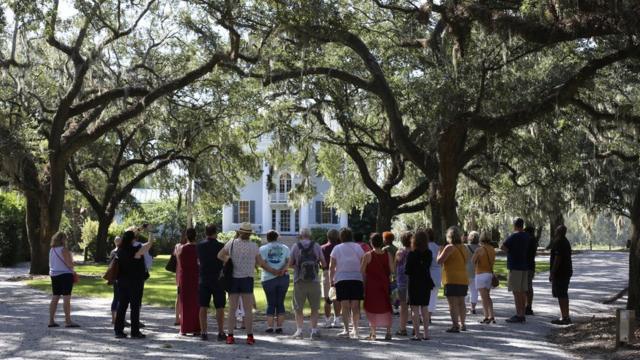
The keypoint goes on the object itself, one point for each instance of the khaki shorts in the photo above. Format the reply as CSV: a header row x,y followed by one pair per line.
x,y
306,290
518,281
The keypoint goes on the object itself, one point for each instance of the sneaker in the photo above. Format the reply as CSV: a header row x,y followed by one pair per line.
x,y
528,311
204,337
516,319
315,335
250,339
343,334
138,336
566,321
297,335
355,335
230,339
279,331
121,335
222,336
327,322
269,330
337,322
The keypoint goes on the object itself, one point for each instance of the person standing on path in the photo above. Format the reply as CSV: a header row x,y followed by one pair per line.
x,y
187,256
420,283
245,255
306,259
114,302
454,277
131,276
533,250
435,270
517,248
276,254
330,321
209,283
484,258
561,272
345,273
376,268
403,281
474,240
178,306
61,273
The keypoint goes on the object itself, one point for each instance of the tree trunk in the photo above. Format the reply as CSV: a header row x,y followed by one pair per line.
x,y
436,221
102,237
39,248
633,301
450,153
384,216
189,201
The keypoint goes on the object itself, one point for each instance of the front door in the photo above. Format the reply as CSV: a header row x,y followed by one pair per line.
x,y
281,220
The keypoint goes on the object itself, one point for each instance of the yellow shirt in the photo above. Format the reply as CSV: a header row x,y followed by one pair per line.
x,y
454,271
485,259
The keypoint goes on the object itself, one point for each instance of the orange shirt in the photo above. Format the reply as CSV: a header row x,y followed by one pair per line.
x,y
454,270
485,259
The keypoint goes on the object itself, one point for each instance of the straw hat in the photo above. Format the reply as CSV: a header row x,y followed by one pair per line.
x,y
245,228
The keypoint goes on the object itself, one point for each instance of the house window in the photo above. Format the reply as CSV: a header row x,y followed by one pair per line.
x,y
296,218
326,214
273,219
285,183
285,220
244,211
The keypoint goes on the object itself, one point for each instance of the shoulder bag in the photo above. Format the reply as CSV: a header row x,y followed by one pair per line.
x,y
112,271
172,264
495,282
76,278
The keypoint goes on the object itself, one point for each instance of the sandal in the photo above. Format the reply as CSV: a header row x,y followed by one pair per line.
x,y
52,325
485,321
401,332
371,337
453,329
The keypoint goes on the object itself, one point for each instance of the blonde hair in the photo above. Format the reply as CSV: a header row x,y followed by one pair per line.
x,y
454,235
58,239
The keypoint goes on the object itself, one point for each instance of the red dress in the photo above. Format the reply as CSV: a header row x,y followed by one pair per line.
x,y
188,283
377,302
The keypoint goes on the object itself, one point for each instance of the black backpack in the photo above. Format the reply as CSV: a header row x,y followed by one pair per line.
x,y
307,262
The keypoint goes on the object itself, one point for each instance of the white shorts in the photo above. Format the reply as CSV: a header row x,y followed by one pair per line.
x,y
483,281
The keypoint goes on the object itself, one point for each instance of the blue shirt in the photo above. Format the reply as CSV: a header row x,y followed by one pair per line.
x,y
276,255
517,245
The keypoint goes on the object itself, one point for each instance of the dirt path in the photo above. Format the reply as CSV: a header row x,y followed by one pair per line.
x,y
24,335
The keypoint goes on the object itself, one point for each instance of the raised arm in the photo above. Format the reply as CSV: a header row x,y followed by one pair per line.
x,y
445,254
146,246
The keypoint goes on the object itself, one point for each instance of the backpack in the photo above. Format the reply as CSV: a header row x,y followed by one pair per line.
x,y
307,262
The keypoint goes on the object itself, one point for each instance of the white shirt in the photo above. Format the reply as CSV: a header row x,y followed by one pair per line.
x,y
348,257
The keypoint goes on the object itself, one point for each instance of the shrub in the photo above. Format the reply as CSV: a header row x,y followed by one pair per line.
x,y
319,235
12,229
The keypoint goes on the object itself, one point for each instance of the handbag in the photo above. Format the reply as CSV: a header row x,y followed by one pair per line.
x,y
227,270
112,271
495,282
172,264
76,278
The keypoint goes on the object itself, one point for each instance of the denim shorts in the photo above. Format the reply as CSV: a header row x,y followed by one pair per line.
x,y
241,286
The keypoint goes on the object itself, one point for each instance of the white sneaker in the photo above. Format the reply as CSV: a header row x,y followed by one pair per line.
x,y
343,334
355,335
297,334
327,322
336,322
315,334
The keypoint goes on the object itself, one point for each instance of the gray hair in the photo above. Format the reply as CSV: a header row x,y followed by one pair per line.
x,y
305,233
474,237
454,235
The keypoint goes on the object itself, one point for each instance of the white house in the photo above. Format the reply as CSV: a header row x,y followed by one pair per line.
x,y
267,210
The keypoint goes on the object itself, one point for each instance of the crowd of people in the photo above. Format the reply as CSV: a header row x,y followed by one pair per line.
x,y
353,272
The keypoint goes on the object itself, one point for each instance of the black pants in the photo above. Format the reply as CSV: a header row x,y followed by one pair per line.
x,y
129,293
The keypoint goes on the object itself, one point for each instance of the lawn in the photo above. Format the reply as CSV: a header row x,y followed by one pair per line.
x,y
160,289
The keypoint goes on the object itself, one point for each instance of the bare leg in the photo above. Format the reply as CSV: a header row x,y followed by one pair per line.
x,y
345,307
177,310
248,302
66,305
425,321
203,319
53,306
462,311
564,307
314,318
484,295
231,317
270,321
453,310
355,313
280,320
299,320
404,315
327,308
415,317
220,319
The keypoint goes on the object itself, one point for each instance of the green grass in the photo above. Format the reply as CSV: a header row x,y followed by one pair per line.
x,y
160,289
